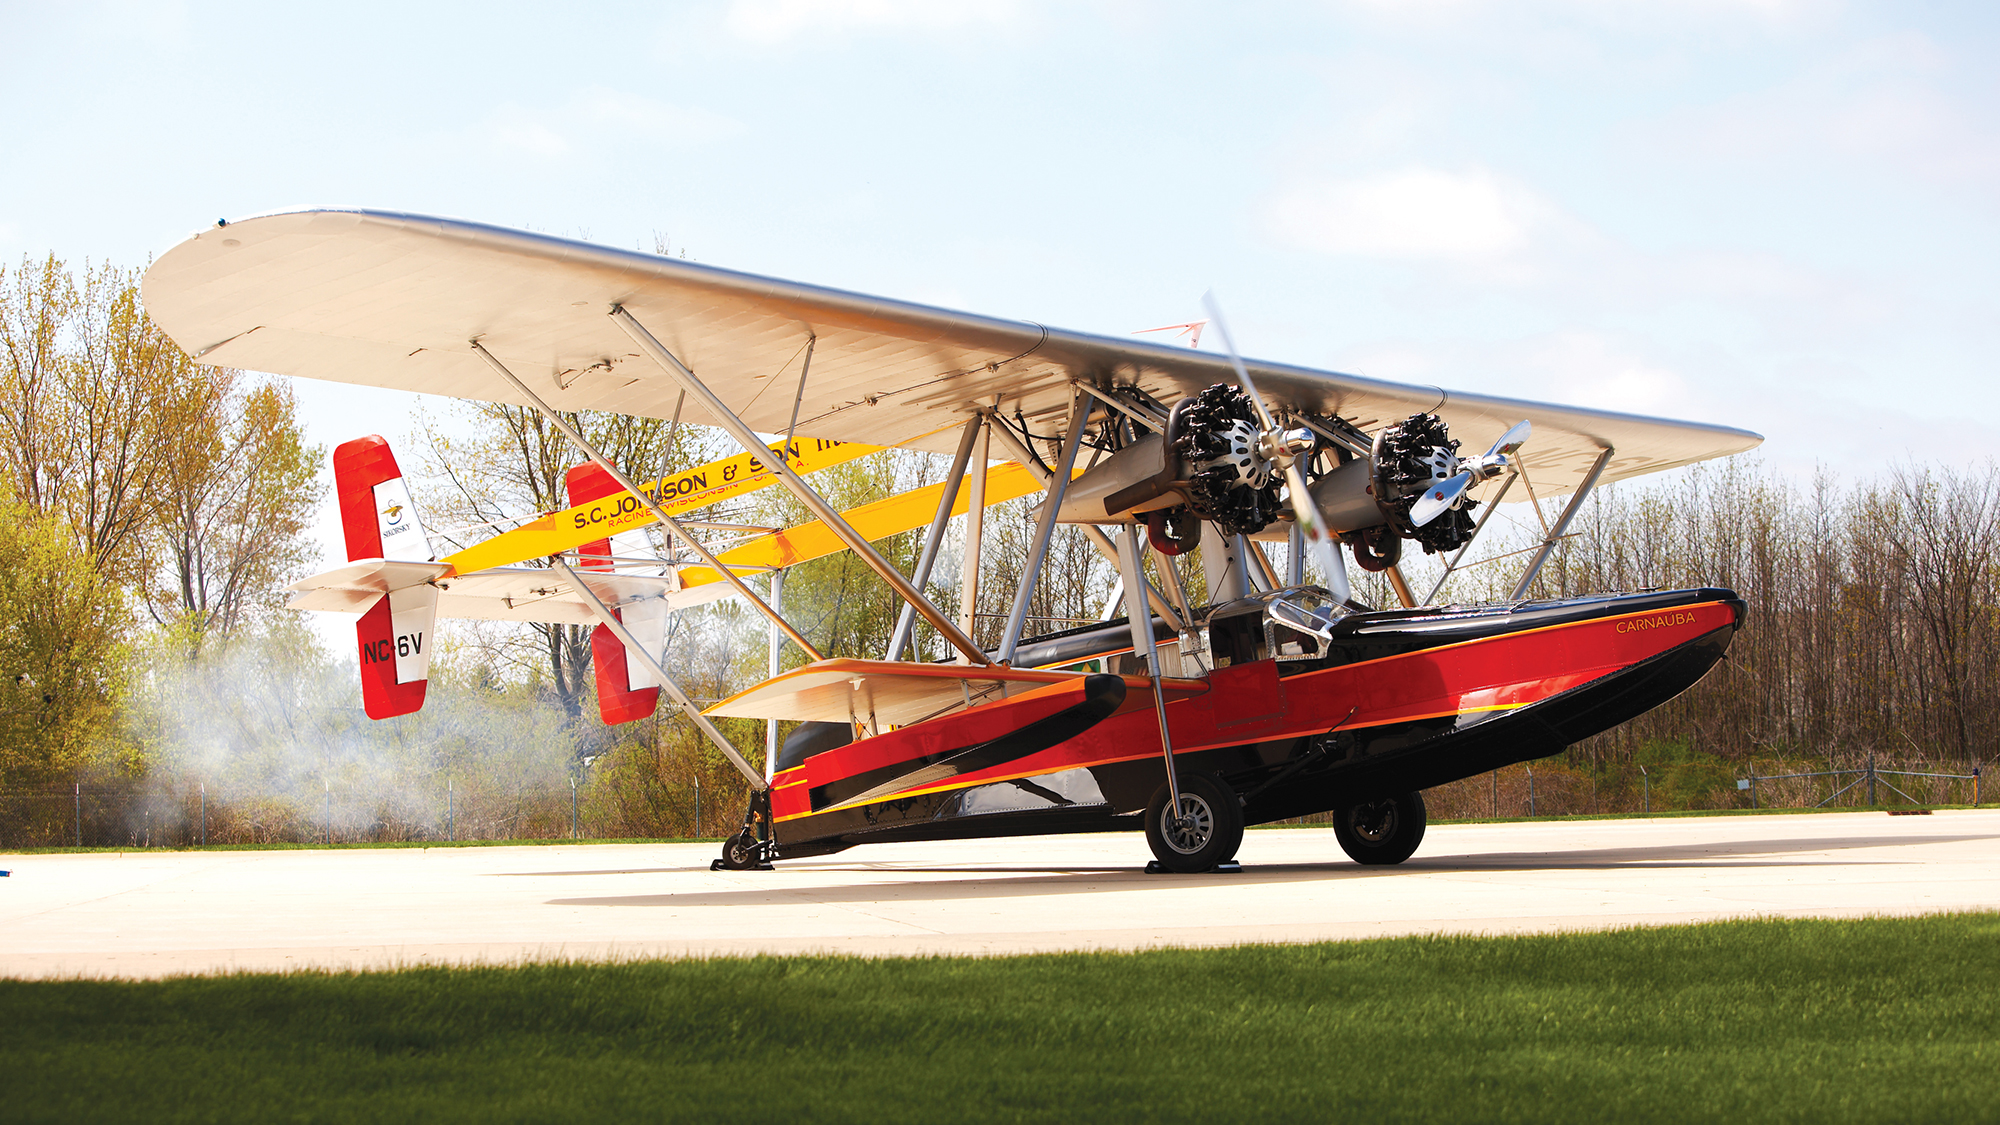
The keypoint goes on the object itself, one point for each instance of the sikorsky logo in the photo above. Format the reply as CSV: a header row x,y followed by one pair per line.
x,y
1663,621
395,514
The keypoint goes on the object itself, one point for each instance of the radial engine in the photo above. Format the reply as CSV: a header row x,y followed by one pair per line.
x,y
1212,463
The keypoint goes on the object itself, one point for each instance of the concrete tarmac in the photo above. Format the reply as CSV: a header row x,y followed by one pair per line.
x,y
152,914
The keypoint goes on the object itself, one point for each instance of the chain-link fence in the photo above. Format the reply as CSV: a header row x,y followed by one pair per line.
x,y
126,815
132,814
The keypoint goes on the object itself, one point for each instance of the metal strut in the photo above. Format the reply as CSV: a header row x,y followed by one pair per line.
x,y
645,498
632,644
1045,528
1562,524
975,528
1132,570
906,624
790,478
1091,531
1492,506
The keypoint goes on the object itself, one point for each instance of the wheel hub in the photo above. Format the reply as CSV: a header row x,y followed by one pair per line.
x,y
1374,822
1193,827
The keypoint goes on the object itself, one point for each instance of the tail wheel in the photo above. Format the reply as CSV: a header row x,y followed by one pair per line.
x,y
1204,831
1381,832
739,853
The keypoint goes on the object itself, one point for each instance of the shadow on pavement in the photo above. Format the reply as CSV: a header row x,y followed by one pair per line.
x,y
979,882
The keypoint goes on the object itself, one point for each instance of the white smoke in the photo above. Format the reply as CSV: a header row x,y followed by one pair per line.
x,y
270,725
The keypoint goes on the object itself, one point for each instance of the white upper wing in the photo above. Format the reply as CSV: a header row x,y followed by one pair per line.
x,y
392,300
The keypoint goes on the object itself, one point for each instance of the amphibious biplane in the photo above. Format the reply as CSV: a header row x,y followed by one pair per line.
x,y
1196,713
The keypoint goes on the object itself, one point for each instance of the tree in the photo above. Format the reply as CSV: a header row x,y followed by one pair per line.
x,y
63,627
235,495
187,484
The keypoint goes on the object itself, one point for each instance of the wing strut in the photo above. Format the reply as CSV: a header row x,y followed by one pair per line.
x,y
632,645
659,513
744,436
1045,528
1091,531
907,623
975,528
1492,506
1562,524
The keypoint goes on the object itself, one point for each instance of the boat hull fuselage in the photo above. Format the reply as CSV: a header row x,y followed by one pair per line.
x,y
1400,701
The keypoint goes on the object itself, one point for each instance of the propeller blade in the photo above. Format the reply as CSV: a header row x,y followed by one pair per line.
x,y
1438,499
1512,440
1323,545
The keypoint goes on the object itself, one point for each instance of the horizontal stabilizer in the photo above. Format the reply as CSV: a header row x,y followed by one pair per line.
x,y
507,594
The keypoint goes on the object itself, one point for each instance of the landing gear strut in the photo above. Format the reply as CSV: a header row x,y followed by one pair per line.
x,y
751,848
1206,831
741,852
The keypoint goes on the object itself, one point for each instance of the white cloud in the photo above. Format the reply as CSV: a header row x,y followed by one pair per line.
x,y
598,115
1411,213
1587,367
1886,104
771,21
1598,370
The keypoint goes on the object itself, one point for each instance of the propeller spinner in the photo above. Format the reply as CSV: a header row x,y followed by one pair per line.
x,y
1441,498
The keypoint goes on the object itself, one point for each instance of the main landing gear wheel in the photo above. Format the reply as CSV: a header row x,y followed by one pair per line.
x,y
1207,831
740,853
1381,832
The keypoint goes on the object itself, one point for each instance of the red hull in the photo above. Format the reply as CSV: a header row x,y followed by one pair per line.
x,y
1469,681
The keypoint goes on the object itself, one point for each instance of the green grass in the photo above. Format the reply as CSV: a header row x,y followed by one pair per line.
x,y
1878,1020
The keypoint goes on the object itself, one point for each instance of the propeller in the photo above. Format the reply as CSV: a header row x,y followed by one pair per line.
x,y
1441,498
1282,448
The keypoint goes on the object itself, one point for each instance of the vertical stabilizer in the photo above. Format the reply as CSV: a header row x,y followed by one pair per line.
x,y
587,482
396,640
625,686
376,513
395,636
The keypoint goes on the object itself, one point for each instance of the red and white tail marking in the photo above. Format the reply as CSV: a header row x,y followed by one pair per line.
x,y
376,512
379,521
626,687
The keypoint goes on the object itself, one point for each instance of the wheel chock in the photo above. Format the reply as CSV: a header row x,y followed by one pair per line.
x,y
1226,867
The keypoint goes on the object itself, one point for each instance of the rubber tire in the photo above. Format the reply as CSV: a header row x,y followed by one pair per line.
x,y
1380,833
1225,813
739,852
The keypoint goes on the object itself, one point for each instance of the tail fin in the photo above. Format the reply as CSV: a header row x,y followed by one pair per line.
x,y
376,512
625,686
586,482
396,644
380,521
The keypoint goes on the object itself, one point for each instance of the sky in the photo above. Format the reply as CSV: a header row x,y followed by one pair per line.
x,y
1781,215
